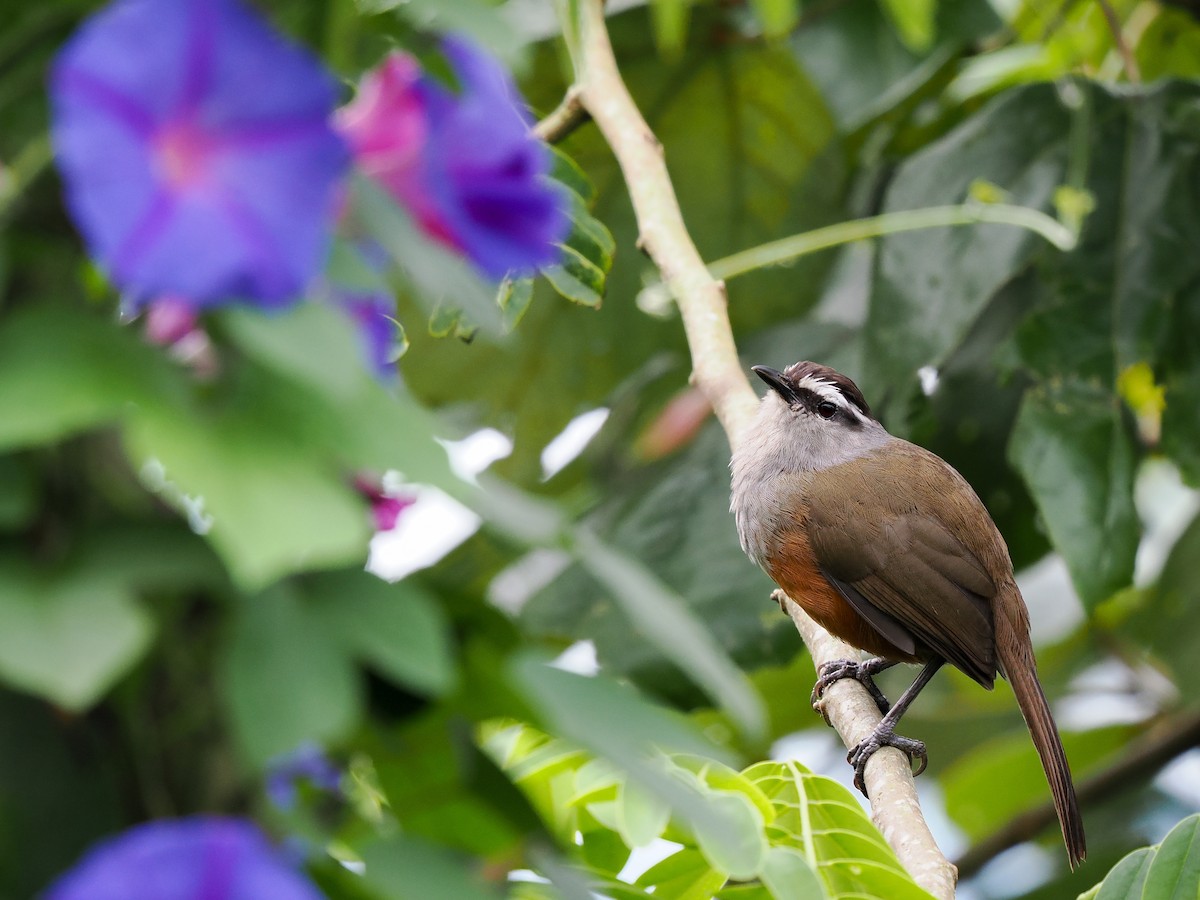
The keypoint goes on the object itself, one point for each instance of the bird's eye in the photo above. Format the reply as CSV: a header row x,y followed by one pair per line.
x,y
826,409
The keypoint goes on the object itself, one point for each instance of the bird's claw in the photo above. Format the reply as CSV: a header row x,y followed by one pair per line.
x,y
884,737
836,670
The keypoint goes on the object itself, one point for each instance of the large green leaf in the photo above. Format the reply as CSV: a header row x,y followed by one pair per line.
x,y
1071,446
989,786
62,371
66,635
287,679
1169,870
245,475
821,819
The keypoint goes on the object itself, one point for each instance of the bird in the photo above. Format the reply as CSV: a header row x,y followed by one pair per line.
x,y
887,546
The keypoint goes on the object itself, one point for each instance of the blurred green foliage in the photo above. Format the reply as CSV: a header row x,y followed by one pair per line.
x,y
181,588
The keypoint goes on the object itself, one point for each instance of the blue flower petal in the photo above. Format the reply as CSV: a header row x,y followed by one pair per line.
x,y
196,151
202,858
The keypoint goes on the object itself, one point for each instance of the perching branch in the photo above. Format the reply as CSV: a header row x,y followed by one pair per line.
x,y
1147,755
565,118
717,372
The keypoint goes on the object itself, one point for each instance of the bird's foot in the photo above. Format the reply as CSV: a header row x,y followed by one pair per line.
x,y
881,737
862,672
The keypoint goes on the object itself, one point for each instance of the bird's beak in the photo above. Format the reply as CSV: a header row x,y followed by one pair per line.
x,y
776,381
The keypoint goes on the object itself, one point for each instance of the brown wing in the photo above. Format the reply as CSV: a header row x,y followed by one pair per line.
x,y
900,567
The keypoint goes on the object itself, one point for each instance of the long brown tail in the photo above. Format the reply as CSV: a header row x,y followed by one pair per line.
x,y
1016,660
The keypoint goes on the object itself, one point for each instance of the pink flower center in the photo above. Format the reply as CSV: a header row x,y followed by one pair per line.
x,y
183,155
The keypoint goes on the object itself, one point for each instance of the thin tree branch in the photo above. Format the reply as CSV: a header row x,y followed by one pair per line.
x,y
1144,759
565,118
718,373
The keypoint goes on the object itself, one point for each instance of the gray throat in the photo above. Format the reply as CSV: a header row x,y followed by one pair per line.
x,y
783,444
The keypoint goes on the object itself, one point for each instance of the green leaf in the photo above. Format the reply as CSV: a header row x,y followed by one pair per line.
x,y
483,22
778,17
1127,878
396,629
989,786
732,839
438,275
312,342
568,173
656,611
243,474
788,876
67,636
288,680
641,816
403,868
670,19
684,875
576,278
513,297
439,784
589,236
1174,873
610,719
1070,445
914,21
95,373
822,820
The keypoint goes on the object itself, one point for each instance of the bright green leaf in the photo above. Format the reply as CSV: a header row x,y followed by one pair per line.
x,y
684,875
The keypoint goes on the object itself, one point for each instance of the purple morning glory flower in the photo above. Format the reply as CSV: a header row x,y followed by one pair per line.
x,y
196,151
375,317
202,858
307,762
463,162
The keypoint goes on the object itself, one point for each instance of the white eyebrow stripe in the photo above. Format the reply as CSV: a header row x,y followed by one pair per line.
x,y
826,390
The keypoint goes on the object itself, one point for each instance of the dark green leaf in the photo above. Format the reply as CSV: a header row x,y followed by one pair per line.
x,y
403,868
19,491
662,615
288,680
1071,447
395,628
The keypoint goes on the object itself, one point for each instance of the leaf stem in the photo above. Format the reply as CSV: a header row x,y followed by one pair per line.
x,y
787,249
